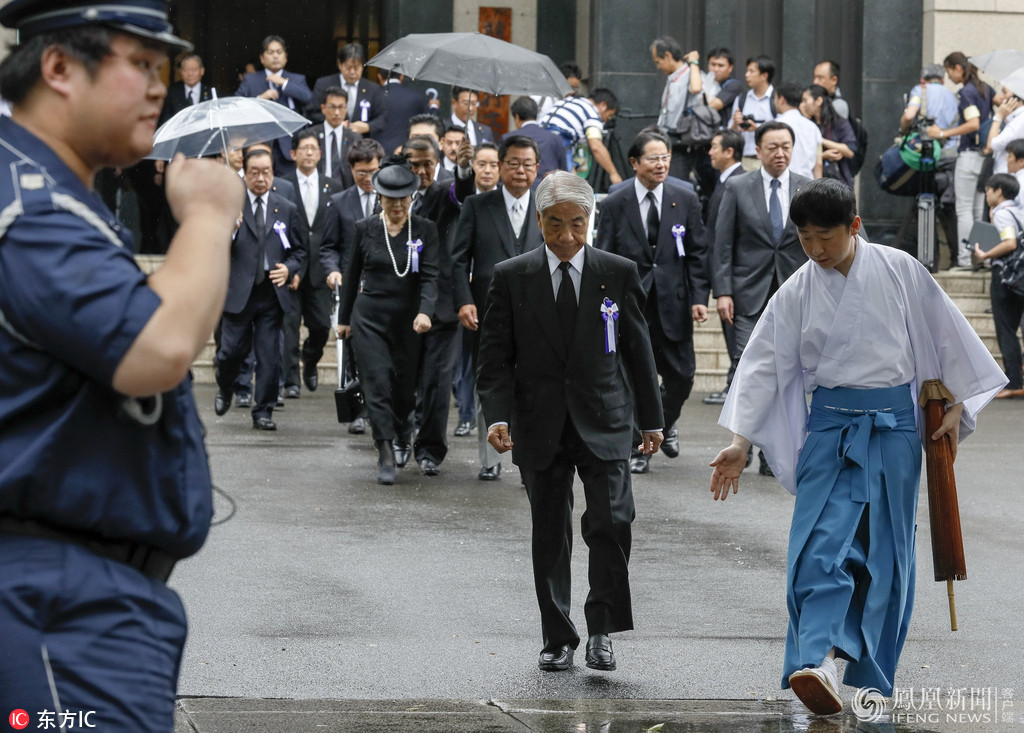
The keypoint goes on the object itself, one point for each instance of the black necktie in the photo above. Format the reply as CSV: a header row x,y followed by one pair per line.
x,y
261,223
566,304
191,99
335,155
653,220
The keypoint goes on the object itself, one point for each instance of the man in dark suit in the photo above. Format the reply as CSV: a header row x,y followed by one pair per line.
x,y
188,90
756,245
367,107
311,300
493,227
336,139
439,203
726,156
658,226
464,106
278,85
403,104
552,153
565,357
269,246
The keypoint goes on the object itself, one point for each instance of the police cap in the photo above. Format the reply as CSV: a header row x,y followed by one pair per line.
x,y
144,18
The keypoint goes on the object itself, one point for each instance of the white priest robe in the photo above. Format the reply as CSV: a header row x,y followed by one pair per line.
x,y
885,324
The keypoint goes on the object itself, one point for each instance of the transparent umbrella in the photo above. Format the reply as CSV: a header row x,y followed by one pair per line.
x,y
220,125
475,61
999,64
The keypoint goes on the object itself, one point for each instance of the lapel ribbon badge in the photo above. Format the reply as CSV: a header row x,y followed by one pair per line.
x,y
678,231
364,110
280,228
610,314
415,247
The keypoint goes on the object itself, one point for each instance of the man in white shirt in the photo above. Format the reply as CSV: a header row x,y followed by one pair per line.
x,y
807,146
755,107
336,139
1007,125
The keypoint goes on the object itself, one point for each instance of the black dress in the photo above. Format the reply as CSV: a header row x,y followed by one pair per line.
x,y
381,313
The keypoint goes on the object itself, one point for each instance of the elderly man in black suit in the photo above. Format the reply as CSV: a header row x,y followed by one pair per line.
x,y
367,108
268,248
552,153
277,85
657,225
403,103
756,245
437,202
493,227
311,299
726,157
188,90
565,358
335,137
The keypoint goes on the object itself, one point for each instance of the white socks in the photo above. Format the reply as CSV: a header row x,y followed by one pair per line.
x,y
828,666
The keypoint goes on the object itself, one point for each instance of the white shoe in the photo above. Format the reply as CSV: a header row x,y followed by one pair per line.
x,y
816,689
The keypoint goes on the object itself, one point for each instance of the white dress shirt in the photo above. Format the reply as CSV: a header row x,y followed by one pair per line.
x,y
338,132
194,93
806,144
575,270
766,184
468,127
519,219
309,191
288,100
728,172
641,198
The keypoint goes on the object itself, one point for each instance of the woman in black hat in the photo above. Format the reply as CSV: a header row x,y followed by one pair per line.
x,y
394,257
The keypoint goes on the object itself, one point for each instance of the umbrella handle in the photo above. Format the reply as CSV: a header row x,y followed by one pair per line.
x,y
952,605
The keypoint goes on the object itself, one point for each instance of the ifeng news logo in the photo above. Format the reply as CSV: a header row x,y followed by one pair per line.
x,y
49,720
923,705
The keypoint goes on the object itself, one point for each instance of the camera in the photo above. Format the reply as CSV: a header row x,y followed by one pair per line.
x,y
749,123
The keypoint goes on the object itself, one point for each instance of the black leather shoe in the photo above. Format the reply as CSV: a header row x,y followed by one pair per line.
x,y
292,391
764,469
557,660
385,462
311,378
599,653
639,464
263,423
463,429
357,426
221,403
429,468
243,400
402,453
489,474
670,445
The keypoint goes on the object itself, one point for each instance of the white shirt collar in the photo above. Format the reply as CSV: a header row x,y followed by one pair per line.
x,y
510,199
641,191
312,177
328,129
783,179
576,263
198,86
252,199
269,73
728,171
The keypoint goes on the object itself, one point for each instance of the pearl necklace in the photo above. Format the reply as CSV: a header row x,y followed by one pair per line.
x,y
387,240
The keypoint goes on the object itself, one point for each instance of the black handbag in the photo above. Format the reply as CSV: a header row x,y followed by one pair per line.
x,y
1012,271
348,397
697,125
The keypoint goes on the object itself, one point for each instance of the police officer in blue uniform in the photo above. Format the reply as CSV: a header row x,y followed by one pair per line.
x,y
104,478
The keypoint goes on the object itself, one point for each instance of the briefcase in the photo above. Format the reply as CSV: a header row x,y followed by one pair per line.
x,y
348,397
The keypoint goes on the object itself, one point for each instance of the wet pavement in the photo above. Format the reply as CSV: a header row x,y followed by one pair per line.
x,y
328,602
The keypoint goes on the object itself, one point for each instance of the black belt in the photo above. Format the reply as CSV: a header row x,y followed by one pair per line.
x,y
148,560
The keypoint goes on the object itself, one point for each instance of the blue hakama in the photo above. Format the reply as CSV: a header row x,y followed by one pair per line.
x,y
851,564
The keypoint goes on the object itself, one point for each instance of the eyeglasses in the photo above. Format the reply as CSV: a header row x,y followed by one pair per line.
x,y
308,148
336,107
468,103
364,174
652,159
516,164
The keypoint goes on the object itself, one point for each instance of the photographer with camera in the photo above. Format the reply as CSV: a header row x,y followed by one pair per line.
x,y
755,107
